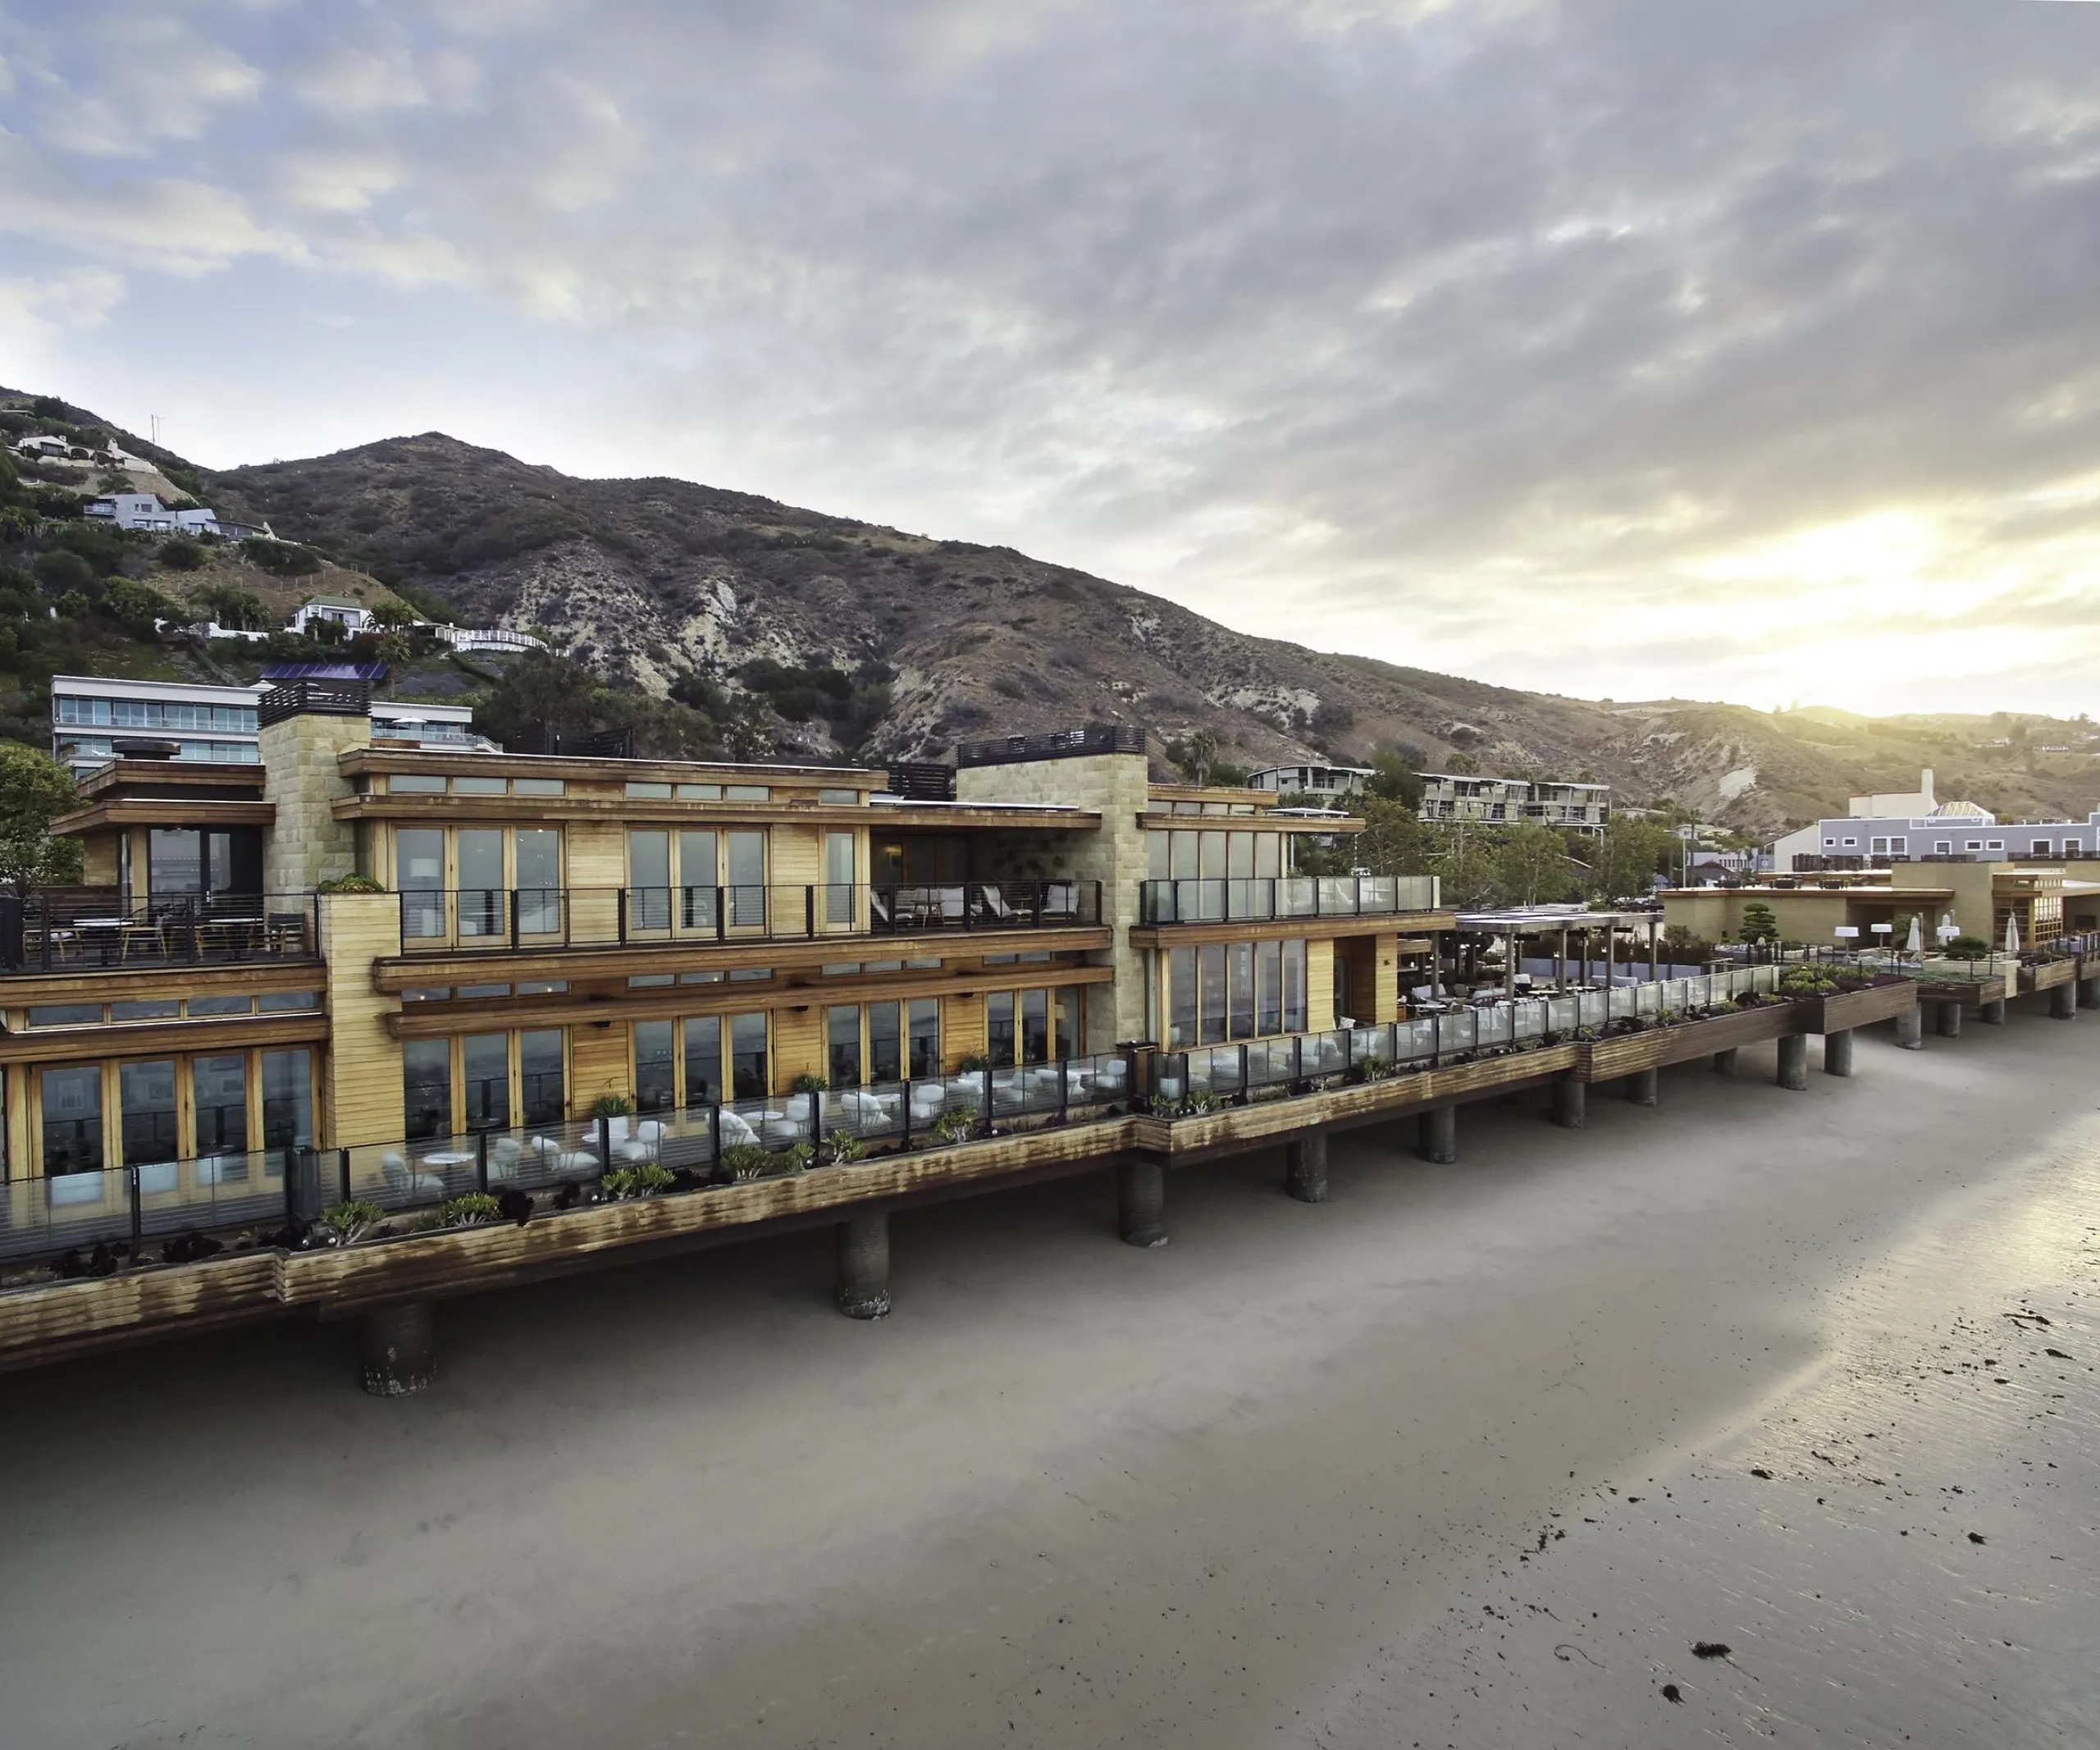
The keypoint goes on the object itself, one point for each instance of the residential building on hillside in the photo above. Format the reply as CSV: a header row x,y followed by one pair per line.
x,y
718,954
144,512
353,616
1974,896
1316,786
1448,797
94,716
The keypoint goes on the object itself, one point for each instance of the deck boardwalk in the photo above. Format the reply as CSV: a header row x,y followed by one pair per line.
x,y
41,1322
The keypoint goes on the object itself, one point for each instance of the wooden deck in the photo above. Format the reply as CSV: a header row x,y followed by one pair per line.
x,y
44,1323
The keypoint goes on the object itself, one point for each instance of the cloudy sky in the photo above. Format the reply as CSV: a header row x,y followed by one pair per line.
x,y
1746,350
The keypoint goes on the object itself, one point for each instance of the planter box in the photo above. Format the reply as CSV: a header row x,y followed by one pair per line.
x,y
1856,1008
1971,994
2047,976
1609,1059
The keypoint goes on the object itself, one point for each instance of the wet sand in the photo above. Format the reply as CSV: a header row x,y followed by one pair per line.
x,y
1285,1482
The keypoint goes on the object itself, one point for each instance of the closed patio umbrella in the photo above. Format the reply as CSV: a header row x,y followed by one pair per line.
x,y
1916,942
2012,932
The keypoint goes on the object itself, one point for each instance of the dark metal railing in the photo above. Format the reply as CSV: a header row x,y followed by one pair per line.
x,y
1060,744
129,1205
493,918
51,935
1261,898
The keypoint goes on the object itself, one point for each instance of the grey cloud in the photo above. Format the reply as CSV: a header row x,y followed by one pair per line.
x,y
1416,319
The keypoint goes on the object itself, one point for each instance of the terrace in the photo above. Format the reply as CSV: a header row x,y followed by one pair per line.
x,y
47,934
498,919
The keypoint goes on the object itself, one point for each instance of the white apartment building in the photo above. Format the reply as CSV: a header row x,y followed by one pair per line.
x,y
1313,786
91,715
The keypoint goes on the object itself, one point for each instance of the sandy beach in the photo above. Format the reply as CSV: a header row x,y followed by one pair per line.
x,y
1468,1456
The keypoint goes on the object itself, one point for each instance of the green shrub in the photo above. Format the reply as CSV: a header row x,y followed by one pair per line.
x,y
807,1085
744,1161
842,1148
955,1126
644,1179
470,1210
280,559
1968,948
182,553
349,1222
611,1105
351,884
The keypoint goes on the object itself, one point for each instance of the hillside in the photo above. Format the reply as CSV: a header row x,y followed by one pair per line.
x,y
786,629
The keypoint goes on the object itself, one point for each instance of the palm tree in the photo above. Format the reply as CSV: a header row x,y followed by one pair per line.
x,y
393,616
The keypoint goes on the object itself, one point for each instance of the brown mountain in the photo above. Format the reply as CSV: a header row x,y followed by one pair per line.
x,y
650,580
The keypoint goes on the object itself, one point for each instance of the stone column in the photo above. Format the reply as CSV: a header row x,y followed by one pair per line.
x,y
1724,1061
1305,1167
1910,1030
1837,1053
398,1347
1991,1014
1645,1087
1948,1020
1141,1192
863,1251
308,845
2063,1003
1439,1134
1571,1103
2089,991
1793,1062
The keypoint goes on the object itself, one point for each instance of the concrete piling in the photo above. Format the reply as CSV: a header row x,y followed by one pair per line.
x,y
1645,1087
863,1251
1141,1196
1991,1014
1947,1022
1910,1030
1305,1166
1724,1061
398,1348
1793,1063
2063,1003
1837,1053
2088,992
1439,1134
1571,1103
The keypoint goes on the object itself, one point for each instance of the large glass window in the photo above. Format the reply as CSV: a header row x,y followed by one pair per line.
x,y
923,1022
649,880
72,1120
219,1087
147,1092
538,881
1210,997
885,1042
484,1060
746,879
1035,1026
699,881
175,861
1267,855
999,1028
419,874
1181,997
1239,988
655,1065
842,1044
1294,986
1070,1020
1182,855
481,882
426,1088
747,1057
1268,989
542,1088
839,878
287,1099
703,1043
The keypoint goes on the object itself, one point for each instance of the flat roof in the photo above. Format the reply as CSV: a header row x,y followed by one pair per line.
x,y
186,692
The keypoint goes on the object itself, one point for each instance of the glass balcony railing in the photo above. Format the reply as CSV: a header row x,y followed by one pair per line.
x,y
41,934
434,920
1261,899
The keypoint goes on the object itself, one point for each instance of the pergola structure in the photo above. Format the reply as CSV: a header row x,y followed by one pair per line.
x,y
1563,924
